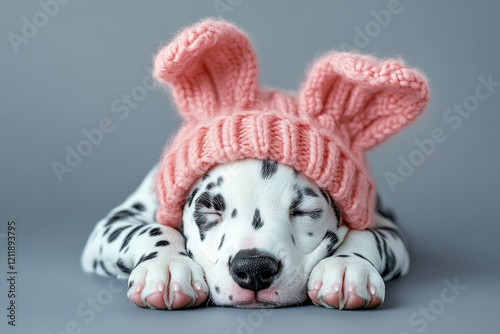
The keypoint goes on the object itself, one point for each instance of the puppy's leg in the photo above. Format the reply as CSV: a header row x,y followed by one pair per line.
x,y
354,275
129,242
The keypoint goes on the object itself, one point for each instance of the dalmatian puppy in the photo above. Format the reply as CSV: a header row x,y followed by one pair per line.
x,y
255,234
263,198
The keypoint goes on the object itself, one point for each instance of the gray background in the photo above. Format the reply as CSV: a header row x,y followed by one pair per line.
x,y
65,78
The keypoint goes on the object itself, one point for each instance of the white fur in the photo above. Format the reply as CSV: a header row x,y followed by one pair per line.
x,y
244,189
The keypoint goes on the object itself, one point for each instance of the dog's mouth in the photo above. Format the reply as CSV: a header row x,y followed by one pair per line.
x,y
256,303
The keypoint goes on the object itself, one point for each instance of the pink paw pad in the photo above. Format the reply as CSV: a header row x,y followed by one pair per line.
x,y
157,299
135,294
333,299
180,299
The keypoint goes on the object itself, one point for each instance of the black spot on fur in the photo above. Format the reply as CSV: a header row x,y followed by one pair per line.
x,y
144,231
210,186
342,255
394,232
219,203
217,289
206,176
364,258
206,200
309,192
269,168
146,258
314,214
183,254
106,231
129,237
191,196
154,232
106,271
295,172
138,206
377,241
309,234
116,233
330,201
390,263
296,202
257,220
234,213
162,243
189,253
122,267
220,180
325,195
337,213
95,264
230,297
390,258
293,239
120,215
221,241
333,239
130,284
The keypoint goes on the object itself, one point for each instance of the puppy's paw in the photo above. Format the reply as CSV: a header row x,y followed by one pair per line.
x,y
171,282
346,283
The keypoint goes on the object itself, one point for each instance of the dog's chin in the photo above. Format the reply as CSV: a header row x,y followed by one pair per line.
x,y
256,303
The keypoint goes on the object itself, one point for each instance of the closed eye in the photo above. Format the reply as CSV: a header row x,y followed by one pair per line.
x,y
208,204
314,214
209,215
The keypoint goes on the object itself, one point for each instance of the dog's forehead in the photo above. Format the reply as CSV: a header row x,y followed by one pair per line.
x,y
250,181
256,197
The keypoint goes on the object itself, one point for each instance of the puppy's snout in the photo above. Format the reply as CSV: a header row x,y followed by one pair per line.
x,y
254,270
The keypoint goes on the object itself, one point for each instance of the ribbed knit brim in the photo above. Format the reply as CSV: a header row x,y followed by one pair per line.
x,y
292,141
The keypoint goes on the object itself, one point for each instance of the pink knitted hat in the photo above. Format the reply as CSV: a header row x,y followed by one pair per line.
x,y
348,104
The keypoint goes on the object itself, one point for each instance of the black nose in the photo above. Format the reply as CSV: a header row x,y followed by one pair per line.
x,y
254,270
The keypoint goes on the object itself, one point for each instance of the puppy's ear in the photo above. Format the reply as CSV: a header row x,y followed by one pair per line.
x,y
211,68
367,100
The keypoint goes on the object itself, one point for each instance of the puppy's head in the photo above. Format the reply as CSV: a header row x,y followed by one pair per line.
x,y
257,228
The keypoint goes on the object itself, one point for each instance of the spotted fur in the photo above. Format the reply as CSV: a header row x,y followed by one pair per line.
x,y
287,232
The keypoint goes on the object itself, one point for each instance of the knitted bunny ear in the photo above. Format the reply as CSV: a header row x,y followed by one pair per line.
x,y
211,68
367,99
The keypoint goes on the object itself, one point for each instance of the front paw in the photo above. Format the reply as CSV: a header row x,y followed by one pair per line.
x,y
346,283
171,282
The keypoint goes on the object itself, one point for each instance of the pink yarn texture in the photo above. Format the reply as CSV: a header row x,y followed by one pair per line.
x,y
348,104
